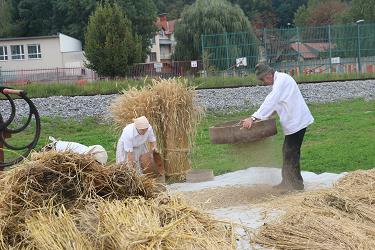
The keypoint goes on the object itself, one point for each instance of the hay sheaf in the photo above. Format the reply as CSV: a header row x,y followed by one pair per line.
x,y
170,106
52,179
131,224
342,217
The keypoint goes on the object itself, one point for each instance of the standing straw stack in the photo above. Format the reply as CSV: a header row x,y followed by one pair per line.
x,y
170,107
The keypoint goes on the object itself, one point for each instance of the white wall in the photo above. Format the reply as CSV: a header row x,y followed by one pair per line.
x,y
155,48
51,56
69,44
57,52
73,59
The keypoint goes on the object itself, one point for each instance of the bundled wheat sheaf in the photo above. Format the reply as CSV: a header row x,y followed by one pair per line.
x,y
69,201
342,217
171,109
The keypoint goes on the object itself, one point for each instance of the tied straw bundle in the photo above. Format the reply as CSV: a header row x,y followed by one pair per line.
x,y
171,109
342,217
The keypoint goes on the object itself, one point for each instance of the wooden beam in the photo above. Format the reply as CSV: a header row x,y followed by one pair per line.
x,y
4,135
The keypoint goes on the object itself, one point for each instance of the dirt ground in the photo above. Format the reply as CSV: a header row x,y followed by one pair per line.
x,y
229,196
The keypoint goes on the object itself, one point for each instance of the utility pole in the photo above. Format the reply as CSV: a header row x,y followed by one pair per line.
x,y
359,46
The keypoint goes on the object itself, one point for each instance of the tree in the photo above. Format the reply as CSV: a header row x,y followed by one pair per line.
x,y
301,16
46,17
142,14
206,17
5,18
318,12
285,9
363,9
30,17
111,48
172,7
260,12
71,17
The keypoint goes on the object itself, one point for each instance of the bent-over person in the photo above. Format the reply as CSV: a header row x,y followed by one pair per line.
x,y
132,142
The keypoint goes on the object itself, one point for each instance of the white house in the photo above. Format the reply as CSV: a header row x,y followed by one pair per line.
x,y
163,43
41,52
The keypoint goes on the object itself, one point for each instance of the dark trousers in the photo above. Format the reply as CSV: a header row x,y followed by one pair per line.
x,y
291,171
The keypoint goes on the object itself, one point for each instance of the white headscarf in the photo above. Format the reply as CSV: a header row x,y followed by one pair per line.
x,y
141,122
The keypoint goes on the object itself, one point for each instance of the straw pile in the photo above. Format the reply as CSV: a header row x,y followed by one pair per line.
x,y
342,217
130,224
52,179
170,107
69,201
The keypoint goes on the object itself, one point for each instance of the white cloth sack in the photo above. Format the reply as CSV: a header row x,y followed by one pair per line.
x,y
99,153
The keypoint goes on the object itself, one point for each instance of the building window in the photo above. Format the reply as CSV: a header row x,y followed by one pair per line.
x,y
153,40
153,57
34,51
17,51
3,53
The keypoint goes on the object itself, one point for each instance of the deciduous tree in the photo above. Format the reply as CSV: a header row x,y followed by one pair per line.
x,y
206,17
111,47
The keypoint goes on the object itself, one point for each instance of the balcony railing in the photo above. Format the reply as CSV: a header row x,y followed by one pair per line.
x,y
165,56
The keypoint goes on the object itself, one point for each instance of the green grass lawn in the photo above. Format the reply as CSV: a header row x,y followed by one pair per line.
x,y
341,139
113,87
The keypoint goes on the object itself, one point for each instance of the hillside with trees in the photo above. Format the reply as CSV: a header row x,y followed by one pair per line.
x,y
45,17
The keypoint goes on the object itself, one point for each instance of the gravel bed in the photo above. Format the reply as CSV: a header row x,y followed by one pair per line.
x,y
215,100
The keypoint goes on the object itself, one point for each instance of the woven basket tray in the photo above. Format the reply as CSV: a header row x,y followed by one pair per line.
x,y
233,133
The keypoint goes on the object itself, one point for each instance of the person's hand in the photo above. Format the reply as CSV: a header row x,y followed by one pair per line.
x,y
155,149
131,164
247,123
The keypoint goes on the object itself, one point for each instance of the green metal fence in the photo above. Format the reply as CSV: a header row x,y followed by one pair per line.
x,y
346,48
220,51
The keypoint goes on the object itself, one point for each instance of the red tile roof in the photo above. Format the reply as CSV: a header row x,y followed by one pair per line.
x,y
167,26
310,50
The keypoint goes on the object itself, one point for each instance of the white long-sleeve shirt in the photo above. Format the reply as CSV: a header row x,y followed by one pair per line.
x,y
130,138
287,100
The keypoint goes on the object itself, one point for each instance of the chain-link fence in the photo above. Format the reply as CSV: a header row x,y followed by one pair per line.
x,y
346,48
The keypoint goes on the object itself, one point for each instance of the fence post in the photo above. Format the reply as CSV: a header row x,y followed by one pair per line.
x,y
330,48
265,45
57,75
226,48
359,50
203,59
298,51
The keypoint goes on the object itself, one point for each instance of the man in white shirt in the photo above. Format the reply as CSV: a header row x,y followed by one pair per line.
x,y
287,100
132,143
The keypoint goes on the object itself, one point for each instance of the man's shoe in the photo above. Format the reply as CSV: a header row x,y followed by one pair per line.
x,y
283,186
299,187
287,187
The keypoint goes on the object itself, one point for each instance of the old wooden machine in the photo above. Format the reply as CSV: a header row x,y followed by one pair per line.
x,y
11,126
